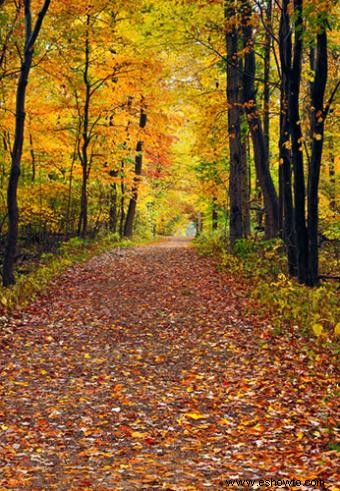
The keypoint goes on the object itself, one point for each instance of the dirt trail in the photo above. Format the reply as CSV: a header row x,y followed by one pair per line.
x,y
139,370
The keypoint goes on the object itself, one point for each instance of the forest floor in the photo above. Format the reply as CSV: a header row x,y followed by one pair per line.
x,y
146,368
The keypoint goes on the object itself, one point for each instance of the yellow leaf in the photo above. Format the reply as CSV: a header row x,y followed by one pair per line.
x,y
87,356
299,435
317,136
195,416
224,421
317,329
138,434
337,329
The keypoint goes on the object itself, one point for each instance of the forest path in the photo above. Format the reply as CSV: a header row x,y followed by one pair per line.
x,y
140,370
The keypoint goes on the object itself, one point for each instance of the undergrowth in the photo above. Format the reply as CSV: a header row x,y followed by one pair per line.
x,y
261,266
75,250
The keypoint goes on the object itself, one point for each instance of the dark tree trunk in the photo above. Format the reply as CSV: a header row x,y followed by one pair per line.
x,y
12,200
33,159
69,197
318,87
267,57
130,216
332,178
306,237
238,181
84,157
198,224
287,207
294,82
214,214
113,210
286,191
281,200
122,200
261,155
82,225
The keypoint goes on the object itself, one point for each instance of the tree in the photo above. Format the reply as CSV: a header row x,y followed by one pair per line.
x,y
31,36
301,232
238,180
285,47
259,136
128,228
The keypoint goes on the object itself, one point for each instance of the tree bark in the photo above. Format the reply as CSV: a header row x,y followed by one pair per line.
x,y
239,220
214,214
12,191
122,200
287,210
261,155
294,82
130,216
84,157
113,210
33,159
318,87
332,178
267,58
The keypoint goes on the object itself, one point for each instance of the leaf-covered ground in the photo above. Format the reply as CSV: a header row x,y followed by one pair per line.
x,y
141,370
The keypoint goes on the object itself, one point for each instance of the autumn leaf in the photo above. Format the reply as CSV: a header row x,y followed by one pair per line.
x,y
317,329
196,416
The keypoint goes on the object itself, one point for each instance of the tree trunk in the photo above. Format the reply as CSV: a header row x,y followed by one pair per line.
x,y
84,157
33,159
130,216
12,199
294,81
332,178
113,210
266,93
122,200
287,209
82,225
318,87
214,214
261,155
238,181
286,190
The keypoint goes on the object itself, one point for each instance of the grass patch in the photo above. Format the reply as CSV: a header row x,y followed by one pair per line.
x,y
261,266
50,265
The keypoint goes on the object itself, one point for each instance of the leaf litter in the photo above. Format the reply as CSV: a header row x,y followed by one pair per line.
x,y
150,370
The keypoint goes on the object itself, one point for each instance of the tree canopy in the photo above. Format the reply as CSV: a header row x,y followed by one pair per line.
x,y
145,116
